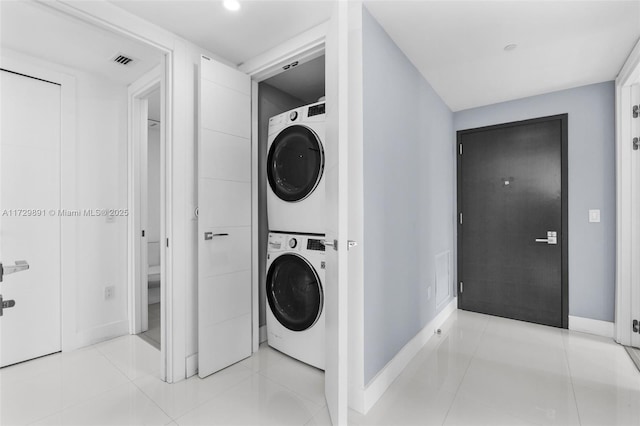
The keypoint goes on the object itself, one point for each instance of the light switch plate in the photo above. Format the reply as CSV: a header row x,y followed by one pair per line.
x,y
594,216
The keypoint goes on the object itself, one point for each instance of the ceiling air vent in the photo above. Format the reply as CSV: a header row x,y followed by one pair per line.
x,y
122,59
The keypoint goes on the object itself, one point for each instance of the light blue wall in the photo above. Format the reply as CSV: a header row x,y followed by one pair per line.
x,y
591,185
408,196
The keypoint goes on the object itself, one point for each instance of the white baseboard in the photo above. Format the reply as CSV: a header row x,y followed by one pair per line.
x,y
263,334
192,365
591,326
99,334
366,398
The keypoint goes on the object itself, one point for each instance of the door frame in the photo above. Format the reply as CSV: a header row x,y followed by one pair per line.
x,y
70,339
627,232
305,46
564,241
137,190
137,197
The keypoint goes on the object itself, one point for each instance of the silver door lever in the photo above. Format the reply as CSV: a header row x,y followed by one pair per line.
x,y
210,235
21,265
552,238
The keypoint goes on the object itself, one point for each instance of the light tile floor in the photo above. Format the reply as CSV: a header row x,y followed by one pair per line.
x,y
480,371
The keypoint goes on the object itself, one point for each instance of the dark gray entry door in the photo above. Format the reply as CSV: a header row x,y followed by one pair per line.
x,y
512,198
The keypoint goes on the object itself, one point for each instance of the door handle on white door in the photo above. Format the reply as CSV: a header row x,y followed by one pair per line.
x,y
21,265
210,235
331,243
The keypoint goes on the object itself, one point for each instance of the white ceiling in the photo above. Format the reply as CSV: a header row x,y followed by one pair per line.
x,y
305,81
458,45
234,36
39,31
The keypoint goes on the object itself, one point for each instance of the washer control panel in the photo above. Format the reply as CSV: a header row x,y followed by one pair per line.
x,y
295,242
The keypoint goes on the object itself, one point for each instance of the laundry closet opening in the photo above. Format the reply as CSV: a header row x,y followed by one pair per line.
x,y
291,199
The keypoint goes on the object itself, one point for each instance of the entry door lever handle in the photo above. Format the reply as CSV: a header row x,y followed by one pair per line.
x,y
552,238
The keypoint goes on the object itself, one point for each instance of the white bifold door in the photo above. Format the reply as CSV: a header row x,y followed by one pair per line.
x,y
224,219
30,325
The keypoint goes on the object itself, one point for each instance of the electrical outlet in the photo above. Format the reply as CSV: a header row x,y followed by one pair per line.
x,y
109,292
429,293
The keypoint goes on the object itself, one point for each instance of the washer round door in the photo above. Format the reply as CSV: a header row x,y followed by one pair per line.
x,y
294,292
295,163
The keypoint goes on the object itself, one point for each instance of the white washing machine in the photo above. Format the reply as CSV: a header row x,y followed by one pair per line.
x,y
295,296
295,170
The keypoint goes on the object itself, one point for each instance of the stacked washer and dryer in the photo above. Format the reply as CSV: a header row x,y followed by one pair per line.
x,y
296,218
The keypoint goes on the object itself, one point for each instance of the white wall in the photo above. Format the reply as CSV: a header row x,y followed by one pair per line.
x,y
101,183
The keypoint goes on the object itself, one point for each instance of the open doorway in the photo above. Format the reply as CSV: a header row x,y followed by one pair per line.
x,y
86,258
294,87
151,330
628,205
146,201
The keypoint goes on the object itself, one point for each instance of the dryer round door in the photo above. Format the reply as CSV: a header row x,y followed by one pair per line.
x,y
294,292
295,163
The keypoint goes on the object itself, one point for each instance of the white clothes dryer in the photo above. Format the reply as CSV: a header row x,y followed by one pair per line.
x,y
295,170
295,296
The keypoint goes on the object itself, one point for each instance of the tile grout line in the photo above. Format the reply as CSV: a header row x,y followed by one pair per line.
x,y
573,389
214,396
455,395
132,380
83,401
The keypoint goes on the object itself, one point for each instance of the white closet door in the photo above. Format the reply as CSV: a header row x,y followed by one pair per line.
x,y
29,221
336,172
224,221
635,209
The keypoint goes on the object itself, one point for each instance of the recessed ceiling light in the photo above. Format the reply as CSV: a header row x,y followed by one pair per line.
x,y
510,47
233,5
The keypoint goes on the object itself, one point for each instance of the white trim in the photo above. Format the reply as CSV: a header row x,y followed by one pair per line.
x,y
381,382
192,365
70,338
255,231
306,46
629,74
591,326
103,332
263,334
137,125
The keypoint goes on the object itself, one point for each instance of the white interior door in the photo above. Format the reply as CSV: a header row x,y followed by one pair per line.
x,y
224,220
635,211
336,278
29,221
